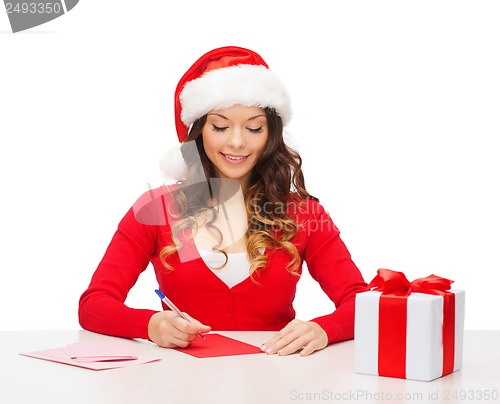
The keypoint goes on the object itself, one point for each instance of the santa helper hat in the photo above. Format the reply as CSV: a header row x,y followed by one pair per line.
x,y
225,77
222,78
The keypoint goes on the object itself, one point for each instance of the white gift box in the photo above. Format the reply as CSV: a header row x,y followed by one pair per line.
x,y
424,334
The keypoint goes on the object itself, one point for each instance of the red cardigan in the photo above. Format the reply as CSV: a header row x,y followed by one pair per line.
x,y
264,303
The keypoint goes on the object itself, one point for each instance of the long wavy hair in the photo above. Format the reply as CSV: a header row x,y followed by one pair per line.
x,y
275,181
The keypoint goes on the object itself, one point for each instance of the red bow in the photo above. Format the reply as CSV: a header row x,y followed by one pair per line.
x,y
395,283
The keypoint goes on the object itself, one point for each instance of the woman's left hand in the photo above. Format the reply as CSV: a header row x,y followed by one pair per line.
x,y
305,335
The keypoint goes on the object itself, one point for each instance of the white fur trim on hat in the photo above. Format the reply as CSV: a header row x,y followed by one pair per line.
x,y
249,85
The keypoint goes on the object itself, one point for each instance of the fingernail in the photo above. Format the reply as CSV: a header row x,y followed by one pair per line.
x,y
269,351
263,347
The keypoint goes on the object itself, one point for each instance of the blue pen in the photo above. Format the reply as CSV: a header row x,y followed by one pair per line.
x,y
172,306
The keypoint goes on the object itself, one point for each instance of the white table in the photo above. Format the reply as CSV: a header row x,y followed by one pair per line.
x,y
325,376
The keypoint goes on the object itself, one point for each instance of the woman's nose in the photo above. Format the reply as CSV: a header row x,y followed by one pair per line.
x,y
236,138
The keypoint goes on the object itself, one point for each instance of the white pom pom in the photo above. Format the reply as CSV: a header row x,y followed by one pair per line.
x,y
290,141
172,166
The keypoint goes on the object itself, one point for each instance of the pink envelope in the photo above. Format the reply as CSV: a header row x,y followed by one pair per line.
x,y
98,352
93,355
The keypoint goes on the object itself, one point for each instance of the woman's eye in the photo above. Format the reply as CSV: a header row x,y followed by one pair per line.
x,y
219,128
255,130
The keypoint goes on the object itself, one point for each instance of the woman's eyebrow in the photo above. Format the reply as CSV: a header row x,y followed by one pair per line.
x,y
256,116
226,118
214,113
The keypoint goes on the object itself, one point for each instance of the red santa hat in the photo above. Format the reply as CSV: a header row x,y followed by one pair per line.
x,y
224,77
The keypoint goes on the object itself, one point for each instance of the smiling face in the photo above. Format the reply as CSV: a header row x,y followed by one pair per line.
x,y
233,140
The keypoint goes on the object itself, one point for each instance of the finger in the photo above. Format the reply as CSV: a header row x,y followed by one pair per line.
x,y
170,330
306,344
310,348
185,329
319,340
180,343
294,346
202,327
280,334
285,341
173,338
266,346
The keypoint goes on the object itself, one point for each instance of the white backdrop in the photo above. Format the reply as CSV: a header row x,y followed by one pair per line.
x,y
396,111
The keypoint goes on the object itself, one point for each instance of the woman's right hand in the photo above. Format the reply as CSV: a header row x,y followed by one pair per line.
x,y
168,330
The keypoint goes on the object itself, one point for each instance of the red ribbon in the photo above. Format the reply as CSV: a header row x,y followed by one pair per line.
x,y
395,290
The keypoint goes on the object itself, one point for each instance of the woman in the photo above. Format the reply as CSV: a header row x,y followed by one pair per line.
x,y
228,240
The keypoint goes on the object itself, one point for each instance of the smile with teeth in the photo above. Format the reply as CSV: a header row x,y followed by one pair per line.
x,y
233,158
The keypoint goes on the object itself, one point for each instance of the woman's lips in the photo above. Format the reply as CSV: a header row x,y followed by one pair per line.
x,y
234,159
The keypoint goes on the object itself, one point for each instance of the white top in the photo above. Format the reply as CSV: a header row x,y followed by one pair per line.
x,y
235,271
